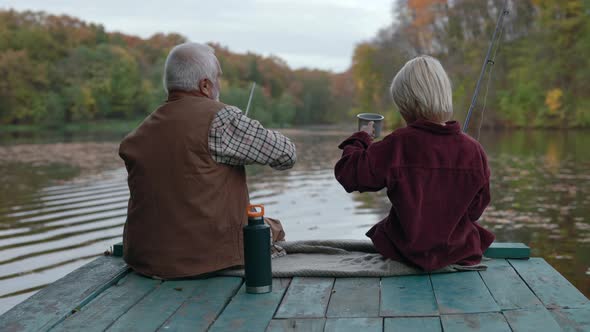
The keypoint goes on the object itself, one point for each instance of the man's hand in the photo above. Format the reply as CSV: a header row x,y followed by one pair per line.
x,y
369,129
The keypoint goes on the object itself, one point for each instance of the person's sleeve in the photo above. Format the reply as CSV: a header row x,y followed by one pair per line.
x,y
483,197
363,165
235,139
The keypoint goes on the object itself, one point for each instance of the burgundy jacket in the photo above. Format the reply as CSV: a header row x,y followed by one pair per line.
x,y
437,180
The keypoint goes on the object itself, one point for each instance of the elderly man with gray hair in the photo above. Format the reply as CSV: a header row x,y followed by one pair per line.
x,y
437,178
188,192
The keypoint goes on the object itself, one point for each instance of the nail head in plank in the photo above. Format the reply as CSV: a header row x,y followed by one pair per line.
x,y
306,298
354,324
573,320
56,301
295,325
462,292
508,250
108,306
354,297
407,296
154,309
412,324
251,312
548,285
199,311
507,288
531,320
482,322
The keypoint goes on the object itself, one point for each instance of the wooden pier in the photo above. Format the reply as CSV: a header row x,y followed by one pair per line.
x,y
512,295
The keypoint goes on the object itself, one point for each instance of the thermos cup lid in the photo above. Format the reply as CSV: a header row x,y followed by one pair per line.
x,y
252,213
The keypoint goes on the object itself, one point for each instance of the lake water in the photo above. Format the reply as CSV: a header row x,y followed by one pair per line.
x,y
63,203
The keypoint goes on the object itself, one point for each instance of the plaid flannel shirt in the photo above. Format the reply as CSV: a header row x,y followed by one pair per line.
x,y
235,139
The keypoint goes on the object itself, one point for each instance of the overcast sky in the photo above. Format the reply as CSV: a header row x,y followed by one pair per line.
x,y
305,33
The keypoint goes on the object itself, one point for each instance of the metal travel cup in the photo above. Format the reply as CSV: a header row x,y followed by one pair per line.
x,y
365,118
257,252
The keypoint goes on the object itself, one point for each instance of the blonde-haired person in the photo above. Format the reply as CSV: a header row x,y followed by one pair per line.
x,y
437,178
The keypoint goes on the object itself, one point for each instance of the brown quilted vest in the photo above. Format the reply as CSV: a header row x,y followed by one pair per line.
x,y
186,211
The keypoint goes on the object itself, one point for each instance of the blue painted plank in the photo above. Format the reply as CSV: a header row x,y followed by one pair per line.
x,y
548,285
507,288
108,306
306,298
251,312
55,302
462,292
154,309
412,324
354,297
482,322
407,296
508,250
573,320
354,325
199,311
297,325
531,320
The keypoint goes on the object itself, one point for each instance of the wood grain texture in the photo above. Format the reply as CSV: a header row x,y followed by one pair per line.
x,y
572,320
297,325
536,319
110,305
55,302
306,298
463,292
201,309
407,296
412,324
507,288
354,297
354,325
548,285
482,322
251,312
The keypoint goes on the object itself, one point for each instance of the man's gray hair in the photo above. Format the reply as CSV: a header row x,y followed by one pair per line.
x,y
187,64
422,90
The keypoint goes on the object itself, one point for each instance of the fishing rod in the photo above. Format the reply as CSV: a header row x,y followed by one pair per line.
x,y
250,99
487,61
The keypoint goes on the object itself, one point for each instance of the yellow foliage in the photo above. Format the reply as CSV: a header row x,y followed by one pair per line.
x,y
553,100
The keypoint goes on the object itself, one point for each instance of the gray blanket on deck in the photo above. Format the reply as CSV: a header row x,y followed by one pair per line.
x,y
339,258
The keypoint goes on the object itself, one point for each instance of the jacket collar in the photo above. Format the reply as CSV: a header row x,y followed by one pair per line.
x,y
450,127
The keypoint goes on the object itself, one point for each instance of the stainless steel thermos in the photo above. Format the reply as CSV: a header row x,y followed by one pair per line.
x,y
257,252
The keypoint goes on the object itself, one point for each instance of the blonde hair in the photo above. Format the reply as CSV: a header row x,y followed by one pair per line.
x,y
422,90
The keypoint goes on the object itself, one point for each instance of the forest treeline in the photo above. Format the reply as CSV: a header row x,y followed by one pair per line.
x,y
56,70
541,75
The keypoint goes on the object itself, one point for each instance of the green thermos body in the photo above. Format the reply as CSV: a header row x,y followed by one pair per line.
x,y
257,267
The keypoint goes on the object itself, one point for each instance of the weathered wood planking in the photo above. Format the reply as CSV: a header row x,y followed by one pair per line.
x,y
306,298
154,309
297,325
199,311
508,250
108,306
573,320
548,285
482,322
536,319
354,297
251,312
407,296
55,302
354,325
507,288
412,324
463,292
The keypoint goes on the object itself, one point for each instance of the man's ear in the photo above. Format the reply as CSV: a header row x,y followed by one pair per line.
x,y
205,86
